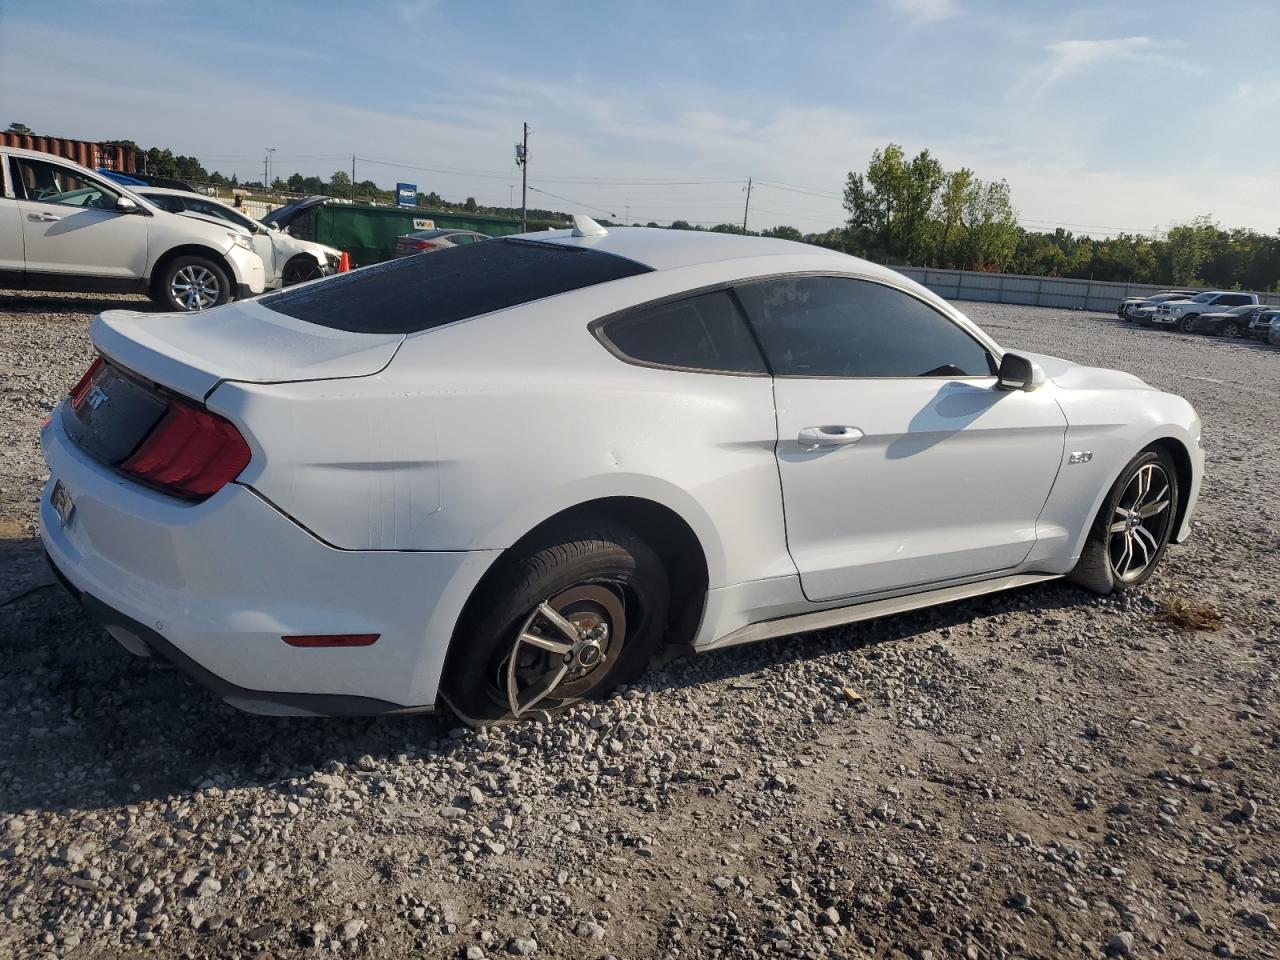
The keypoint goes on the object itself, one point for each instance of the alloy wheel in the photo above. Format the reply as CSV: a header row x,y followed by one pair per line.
x,y
565,647
1140,522
195,287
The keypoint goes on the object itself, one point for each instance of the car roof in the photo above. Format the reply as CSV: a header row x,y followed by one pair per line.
x,y
665,249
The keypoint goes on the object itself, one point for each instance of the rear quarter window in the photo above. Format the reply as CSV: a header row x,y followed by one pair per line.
x,y
705,333
417,293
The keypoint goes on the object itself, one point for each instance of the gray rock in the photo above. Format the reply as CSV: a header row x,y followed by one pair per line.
x,y
522,946
1121,945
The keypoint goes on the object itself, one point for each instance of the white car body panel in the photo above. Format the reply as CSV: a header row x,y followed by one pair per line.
x,y
66,241
389,472
73,240
193,353
276,248
880,514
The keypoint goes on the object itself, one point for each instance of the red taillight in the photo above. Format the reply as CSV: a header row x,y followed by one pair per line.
x,y
192,453
81,389
332,640
423,245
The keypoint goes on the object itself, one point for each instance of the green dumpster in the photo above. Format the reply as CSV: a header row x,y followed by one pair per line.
x,y
368,233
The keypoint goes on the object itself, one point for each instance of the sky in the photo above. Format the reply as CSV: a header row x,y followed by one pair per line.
x,y
1103,117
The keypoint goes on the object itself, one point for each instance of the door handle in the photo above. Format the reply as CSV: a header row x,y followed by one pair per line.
x,y
810,438
43,217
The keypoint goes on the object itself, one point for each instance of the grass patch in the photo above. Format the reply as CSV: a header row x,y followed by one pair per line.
x,y
1187,614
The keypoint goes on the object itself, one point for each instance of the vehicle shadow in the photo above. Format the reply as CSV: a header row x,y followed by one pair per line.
x,y
23,301
93,727
1219,342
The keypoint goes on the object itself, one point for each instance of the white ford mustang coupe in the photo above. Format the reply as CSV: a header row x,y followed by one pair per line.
x,y
501,476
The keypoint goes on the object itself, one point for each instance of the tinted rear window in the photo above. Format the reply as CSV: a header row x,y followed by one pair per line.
x,y
705,333
418,293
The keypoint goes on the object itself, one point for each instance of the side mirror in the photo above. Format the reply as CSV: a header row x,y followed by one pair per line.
x,y
126,205
1019,373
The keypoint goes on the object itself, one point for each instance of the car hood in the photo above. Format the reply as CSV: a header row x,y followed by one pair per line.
x,y
216,221
285,215
1074,376
192,353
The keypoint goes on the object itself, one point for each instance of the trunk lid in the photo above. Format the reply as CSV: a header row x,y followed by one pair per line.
x,y
191,353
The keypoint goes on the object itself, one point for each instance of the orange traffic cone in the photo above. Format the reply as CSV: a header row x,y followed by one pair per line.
x,y
344,264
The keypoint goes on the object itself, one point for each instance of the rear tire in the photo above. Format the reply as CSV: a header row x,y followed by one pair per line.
x,y
189,284
1132,530
1187,322
593,603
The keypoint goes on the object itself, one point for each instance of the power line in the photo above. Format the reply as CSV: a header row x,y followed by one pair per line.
x,y
806,191
578,203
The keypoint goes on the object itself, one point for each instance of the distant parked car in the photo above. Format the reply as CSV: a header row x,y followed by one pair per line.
x,y
427,241
287,260
64,227
1129,307
1226,323
1181,314
1263,322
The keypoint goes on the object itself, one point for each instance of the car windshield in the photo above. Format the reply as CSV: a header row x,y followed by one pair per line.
x,y
1203,297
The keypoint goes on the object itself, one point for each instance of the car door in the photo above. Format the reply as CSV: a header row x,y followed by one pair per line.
x,y
11,256
70,224
901,464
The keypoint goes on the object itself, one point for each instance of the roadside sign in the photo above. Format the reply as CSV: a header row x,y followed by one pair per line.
x,y
406,194
421,223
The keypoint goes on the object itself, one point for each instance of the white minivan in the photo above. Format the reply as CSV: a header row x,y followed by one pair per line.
x,y
64,227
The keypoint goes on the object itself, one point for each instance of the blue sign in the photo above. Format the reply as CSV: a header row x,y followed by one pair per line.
x,y
406,194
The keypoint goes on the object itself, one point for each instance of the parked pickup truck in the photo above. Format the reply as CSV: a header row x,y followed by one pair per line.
x,y
1263,323
1181,314
1128,308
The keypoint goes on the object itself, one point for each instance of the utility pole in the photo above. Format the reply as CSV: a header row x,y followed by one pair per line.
x,y
522,160
353,178
628,214
267,181
747,208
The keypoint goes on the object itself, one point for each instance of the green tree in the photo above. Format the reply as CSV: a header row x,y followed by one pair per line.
x,y
21,129
783,232
988,226
469,205
339,184
1188,247
889,206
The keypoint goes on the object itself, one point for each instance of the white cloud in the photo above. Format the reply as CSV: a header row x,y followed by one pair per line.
x,y
925,11
587,126
1068,58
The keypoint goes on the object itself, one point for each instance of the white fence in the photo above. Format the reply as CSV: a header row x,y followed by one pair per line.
x,y
1097,295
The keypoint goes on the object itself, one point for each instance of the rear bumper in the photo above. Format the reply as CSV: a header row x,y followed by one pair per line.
x,y
213,587
141,640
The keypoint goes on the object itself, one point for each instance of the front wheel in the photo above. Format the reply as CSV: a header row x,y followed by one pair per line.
x,y
1232,330
564,622
1188,322
300,270
192,283
1131,532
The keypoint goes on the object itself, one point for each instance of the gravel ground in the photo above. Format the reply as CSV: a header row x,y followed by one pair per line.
x,y
1036,774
